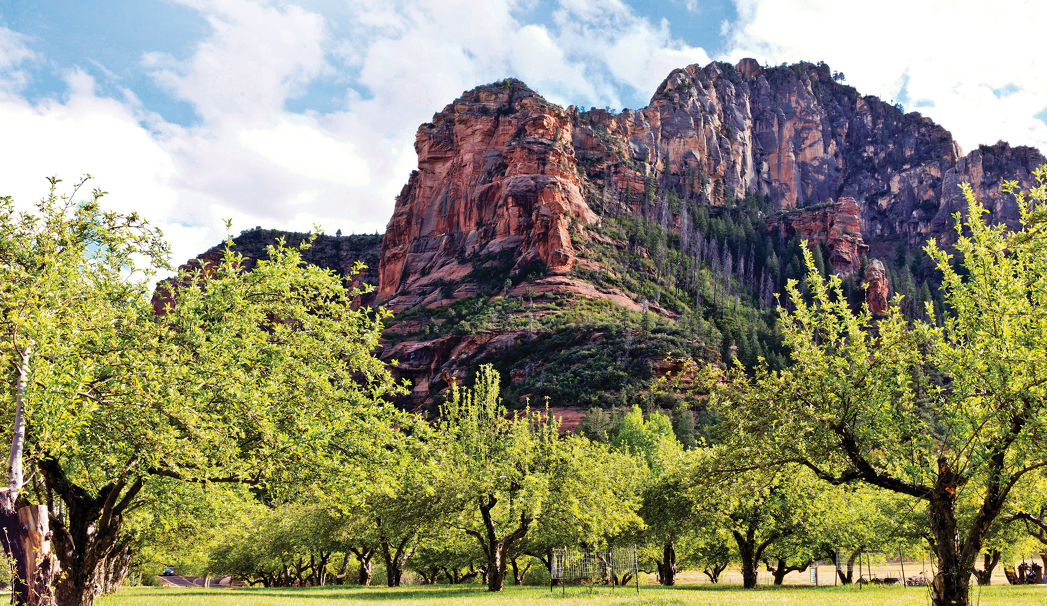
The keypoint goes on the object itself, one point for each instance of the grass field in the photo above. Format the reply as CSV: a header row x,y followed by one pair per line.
x,y
699,595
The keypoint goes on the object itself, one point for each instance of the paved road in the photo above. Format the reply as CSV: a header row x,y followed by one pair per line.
x,y
180,581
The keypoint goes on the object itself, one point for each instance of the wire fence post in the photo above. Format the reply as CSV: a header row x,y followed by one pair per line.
x,y
636,570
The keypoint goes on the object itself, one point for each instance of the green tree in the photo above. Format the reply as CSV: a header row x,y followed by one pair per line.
x,y
261,377
289,546
595,500
511,483
762,509
851,407
645,438
62,299
497,476
667,508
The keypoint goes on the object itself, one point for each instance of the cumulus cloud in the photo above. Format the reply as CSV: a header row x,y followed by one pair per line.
x,y
86,133
13,53
251,159
966,64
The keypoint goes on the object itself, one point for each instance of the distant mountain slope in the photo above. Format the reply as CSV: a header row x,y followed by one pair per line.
x,y
582,252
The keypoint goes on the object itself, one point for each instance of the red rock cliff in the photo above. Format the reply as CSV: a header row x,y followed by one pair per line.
x,y
496,172
501,171
837,224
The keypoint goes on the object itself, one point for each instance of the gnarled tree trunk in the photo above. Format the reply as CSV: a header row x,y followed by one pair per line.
x,y
714,571
365,557
88,535
848,577
25,529
782,568
984,576
496,550
519,573
750,552
396,560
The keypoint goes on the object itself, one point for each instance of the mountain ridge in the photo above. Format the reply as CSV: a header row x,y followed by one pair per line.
x,y
688,211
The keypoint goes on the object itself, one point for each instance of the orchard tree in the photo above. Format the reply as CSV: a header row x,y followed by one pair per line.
x,y
596,497
449,553
762,509
290,546
62,297
498,475
926,410
851,519
666,504
261,377
510,474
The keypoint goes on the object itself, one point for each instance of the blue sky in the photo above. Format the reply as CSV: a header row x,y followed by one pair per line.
x,y
300,112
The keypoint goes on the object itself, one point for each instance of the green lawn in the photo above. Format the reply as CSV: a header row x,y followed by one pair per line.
x,y
703,595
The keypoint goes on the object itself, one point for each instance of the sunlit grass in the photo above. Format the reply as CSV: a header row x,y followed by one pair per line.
x,y
473,595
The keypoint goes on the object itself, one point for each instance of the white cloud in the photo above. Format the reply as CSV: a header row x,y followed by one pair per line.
x,y
304,150
89,134
252,160
948,56
13,53
257,58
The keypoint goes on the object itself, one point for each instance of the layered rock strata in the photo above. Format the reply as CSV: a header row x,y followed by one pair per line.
x,y
835,224
496,172
503,171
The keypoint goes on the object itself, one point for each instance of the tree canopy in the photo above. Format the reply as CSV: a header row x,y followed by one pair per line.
x,y
922,409
264,377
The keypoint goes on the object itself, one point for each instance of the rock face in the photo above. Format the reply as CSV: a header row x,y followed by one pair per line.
x,y
794,134
504,174
516,199
496,172
878,289
836,224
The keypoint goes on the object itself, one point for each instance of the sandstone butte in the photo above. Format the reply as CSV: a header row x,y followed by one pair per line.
x,y
505,176
501,169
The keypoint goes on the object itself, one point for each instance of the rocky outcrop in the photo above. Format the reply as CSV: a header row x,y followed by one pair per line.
x,y
877,288
504,176
433,365
496,172
794,134
517,198
836,224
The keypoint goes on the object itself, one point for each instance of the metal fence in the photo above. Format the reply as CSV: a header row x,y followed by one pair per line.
x,y
614,566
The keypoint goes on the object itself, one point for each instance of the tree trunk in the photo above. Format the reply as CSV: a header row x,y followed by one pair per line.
x,y
782,568
952,584
343,569
496,550
747,553
117,565
714,571
847,579
365,558
984,576
518,573
395,561
668,566
25,531
89,533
